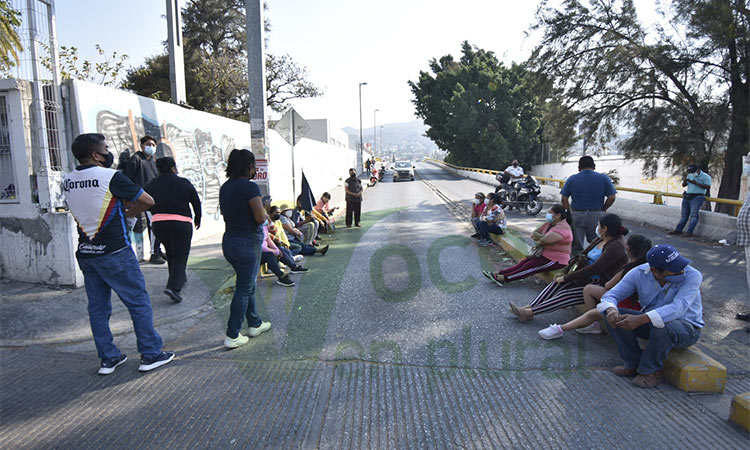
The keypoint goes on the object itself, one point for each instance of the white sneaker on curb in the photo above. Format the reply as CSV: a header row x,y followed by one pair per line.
x,y
236,342
594,328
298,258
254,332
553,331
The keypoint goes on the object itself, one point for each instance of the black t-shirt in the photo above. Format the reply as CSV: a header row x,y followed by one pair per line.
x,y
234,196
354,185
173,195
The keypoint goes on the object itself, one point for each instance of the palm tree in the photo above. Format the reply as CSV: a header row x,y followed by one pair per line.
x,y
10,43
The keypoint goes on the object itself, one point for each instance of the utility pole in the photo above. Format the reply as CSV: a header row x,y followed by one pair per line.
x,y
256,74
374,130
176,55
361,142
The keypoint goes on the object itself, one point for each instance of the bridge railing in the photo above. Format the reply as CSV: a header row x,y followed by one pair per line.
x,y
657,196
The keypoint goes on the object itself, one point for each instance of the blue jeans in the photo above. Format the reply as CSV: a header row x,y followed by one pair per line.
x,y
475,223
120,272
690,210
675,334
243,253
270,260
300,248
485,229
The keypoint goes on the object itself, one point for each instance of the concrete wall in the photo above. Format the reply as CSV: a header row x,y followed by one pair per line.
x,y
714,226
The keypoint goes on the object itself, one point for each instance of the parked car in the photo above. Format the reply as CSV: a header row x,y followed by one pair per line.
x,y
403,170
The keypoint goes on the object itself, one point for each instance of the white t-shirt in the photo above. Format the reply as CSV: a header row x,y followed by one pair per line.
x,y
515,172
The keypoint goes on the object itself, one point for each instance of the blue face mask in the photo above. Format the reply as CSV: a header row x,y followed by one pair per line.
x,y
598,233
549,217
675,278
149,150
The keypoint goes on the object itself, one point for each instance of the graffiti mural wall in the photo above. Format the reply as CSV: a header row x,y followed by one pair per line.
x,y
199,142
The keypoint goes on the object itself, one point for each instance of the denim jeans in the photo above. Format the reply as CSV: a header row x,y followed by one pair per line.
x,y
485,229
675,334
299,248
120,272
243,253
690,210
475,223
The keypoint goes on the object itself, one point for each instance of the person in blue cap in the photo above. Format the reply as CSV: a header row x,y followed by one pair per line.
x,y
671,314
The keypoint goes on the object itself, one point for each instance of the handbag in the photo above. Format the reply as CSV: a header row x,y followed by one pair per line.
x,y
536,251
577,262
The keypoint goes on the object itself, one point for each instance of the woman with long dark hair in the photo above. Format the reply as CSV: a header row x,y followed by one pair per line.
x,y
242,207
554,237
588,323
172,222
597,263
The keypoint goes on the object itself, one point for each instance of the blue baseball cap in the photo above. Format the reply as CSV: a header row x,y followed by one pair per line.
x,y
664,256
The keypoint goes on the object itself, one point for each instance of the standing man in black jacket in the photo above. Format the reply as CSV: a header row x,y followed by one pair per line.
x,y
141,168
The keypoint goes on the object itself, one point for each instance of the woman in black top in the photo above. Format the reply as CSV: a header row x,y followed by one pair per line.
x,y
242,207
172,220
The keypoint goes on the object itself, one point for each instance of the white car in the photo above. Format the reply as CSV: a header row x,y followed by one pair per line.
x,y
403,170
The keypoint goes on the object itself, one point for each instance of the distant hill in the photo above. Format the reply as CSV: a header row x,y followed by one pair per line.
x,y
404,140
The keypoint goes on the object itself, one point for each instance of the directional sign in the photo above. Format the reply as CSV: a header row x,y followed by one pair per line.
x,y
292,127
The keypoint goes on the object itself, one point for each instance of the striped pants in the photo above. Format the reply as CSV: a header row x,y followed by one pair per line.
x,y
556,296
528,267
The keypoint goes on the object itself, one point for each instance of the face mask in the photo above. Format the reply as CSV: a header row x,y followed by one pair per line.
x,y
598,233
276,217
288,214
109,158
675,278
549,217
515,165
475,201
149,150
266,223
486,201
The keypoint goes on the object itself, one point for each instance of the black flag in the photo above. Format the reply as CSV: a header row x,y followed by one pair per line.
x,y
307,199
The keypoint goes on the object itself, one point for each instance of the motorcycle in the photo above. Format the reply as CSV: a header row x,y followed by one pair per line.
x,y
523,194
373,177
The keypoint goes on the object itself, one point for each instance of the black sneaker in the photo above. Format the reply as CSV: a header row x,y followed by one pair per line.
x,y
300,269
323,250
156,259
285,281
174,295
109,365
152,362
476,235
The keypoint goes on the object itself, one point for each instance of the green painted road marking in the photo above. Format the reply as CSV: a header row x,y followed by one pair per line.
x,y
436,273
378,279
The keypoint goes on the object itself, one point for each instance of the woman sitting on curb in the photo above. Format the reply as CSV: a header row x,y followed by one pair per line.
x,y
477,207
492,220
271,255
588,323
555,238
597,263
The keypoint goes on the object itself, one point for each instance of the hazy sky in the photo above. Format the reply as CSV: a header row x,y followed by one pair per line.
x,y
341,42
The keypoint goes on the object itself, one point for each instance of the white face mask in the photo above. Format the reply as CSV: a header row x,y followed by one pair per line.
x,y
475,201
486,201
288,214
149,150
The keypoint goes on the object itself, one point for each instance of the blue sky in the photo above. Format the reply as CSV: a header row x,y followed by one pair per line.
x,y
341,42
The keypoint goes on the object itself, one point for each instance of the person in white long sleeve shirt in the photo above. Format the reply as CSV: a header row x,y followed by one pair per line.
x,y
671,314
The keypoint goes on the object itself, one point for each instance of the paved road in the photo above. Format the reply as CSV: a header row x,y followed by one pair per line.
x,y
392,340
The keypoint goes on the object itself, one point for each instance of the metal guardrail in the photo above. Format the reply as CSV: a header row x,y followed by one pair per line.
x,y
658,196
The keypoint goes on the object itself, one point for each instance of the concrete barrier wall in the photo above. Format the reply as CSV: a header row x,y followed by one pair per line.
x,y
713,226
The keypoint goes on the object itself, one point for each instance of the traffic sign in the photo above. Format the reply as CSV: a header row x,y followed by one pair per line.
x,y
292,127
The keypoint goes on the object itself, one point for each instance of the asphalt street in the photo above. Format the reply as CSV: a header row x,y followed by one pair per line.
x,y
394,339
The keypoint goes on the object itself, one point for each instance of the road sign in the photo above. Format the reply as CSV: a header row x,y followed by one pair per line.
x,y
292,127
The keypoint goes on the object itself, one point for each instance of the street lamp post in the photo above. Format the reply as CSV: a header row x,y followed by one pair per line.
x,y
381,136
374,130
361,142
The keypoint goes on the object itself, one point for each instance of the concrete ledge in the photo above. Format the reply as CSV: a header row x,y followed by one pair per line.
x,y
691,370
514,246
739,412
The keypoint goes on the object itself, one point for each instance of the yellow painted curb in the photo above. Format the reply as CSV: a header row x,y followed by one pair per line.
x,y
739,412
517,249
691,370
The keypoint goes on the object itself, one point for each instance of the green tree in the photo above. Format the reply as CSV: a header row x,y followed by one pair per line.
x,y
216,64
106,72
668,87
10,43
479,111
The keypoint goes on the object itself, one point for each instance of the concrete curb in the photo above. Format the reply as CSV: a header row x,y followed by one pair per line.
x,y
739,412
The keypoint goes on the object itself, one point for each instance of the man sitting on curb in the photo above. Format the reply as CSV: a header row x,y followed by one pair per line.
x,y
671,313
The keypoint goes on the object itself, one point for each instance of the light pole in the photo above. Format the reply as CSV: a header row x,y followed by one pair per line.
x,y
374,130
381,137
361,143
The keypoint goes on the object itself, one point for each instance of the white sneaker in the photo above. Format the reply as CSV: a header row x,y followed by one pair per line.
x,y
236,342
253,332
594,328
298,258
553,331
